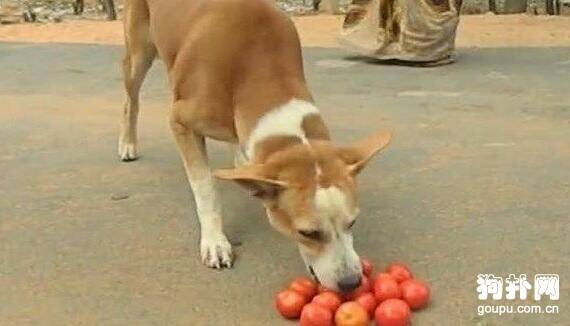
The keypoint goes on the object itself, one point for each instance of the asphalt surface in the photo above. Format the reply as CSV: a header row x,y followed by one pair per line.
x,y
477,180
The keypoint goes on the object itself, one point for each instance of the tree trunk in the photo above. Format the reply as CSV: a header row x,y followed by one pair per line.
x,y
420,31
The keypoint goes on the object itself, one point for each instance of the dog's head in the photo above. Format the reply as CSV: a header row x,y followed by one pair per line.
x,y
309,193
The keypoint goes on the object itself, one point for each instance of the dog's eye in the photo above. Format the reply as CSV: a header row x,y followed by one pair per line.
x,y
311,234
351,224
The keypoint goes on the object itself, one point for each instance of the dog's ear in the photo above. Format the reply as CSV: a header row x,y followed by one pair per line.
x,y
358,154
254,178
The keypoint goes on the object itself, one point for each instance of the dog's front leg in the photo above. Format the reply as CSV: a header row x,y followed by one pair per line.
x,y
215,249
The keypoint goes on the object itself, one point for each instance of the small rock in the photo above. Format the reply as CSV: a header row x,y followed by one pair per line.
x,y
235,242
119,196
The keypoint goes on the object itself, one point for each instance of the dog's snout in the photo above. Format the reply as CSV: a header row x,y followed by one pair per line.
x,y
349,283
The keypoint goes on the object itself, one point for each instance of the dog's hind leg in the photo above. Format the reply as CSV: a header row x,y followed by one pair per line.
x,y
140,53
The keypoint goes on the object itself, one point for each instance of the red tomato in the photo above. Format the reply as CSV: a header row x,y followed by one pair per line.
x,y
383,275
290,303
392,312
400,272
351,314
368,301
363,288
316,315
415,293
304,286
386,287
328,299
366,267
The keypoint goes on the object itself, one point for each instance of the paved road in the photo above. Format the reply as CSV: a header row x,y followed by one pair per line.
x,y
477,180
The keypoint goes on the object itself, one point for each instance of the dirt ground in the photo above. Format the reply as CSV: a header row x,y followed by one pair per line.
x,y
475,181
322,30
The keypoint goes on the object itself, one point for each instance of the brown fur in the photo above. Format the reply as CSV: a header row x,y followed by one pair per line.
x,y
229,62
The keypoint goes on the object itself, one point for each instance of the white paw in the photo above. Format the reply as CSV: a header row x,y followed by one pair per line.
x,y
127,151
216,251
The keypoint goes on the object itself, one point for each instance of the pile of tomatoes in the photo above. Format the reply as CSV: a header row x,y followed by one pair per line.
x,y
387,298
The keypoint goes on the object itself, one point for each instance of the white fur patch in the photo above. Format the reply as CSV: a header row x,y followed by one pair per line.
x,y
207,204
318,171
215,249
285,120
332,202
338,258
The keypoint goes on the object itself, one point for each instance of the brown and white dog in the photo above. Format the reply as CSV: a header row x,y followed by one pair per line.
x,y
236,73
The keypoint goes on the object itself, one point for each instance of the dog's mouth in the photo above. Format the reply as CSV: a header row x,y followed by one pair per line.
x,y
313,274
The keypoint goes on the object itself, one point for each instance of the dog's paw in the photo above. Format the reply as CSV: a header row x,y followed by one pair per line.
x,y
127,151
216,251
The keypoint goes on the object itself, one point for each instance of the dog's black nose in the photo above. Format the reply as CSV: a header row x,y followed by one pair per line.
x,y
349,283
